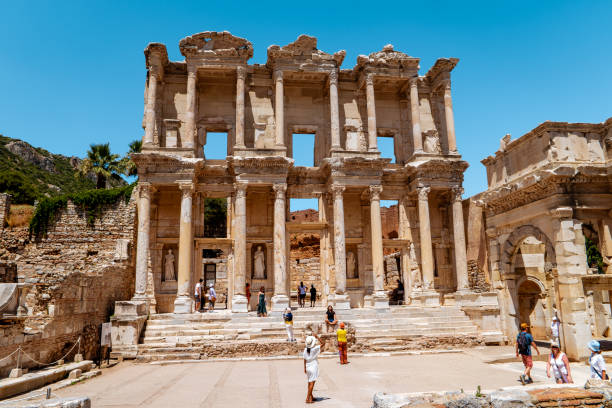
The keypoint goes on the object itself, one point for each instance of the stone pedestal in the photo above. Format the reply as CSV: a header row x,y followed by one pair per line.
x,y
128,323
184,304
279,303
341,302
239,304
427,298
380,300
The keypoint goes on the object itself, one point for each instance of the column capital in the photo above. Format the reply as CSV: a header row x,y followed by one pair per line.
x,y
369,79
144,189
280,189
423,192
155,70
278,75
192,71
562,212
337,190
375,192
414,81
241,72
333,77
186,187
446,84
241,189
457,193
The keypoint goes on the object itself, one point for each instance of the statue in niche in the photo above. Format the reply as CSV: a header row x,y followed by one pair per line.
x,y
351,272
265,135
259,261
432,142
415,273
169,273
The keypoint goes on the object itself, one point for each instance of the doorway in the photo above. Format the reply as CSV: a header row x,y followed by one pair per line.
x,y
531,309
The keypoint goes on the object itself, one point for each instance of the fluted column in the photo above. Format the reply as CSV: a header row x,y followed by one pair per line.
x,y
459,241
280,300
333,107
239,302
417,138
150,115
371,108
142,246
450,120
427,263
188,140
378,267
240,77
340,297
279,108
184,302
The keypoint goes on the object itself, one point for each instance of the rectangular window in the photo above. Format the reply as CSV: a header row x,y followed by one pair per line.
x,y
216,146
304,210
386,146
303,149
389,214
215,218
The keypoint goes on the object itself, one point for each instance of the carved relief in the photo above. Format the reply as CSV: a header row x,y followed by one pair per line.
x,y
432,142
351,266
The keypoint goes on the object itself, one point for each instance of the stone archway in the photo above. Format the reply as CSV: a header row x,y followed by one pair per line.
x,y
531,309
516,237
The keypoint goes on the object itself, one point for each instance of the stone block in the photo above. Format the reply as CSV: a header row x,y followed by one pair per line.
x,y
183,305
78,358
18,372
74,374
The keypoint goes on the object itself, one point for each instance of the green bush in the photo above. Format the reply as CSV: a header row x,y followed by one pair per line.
x,y
17,185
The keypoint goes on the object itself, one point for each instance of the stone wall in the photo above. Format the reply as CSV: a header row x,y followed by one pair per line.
x,y
5,206
73,278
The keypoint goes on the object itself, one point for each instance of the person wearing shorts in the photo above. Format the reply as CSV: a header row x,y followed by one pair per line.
x,y
524,342
198,295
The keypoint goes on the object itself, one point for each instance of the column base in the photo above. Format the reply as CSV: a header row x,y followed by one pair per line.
x,y
239,304
341,302
183,305
279,303
428,298
380,300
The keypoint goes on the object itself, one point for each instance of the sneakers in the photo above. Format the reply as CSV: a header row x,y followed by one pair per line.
x,y
523,379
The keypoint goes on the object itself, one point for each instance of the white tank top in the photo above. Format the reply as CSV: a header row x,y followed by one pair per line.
x,y
558,365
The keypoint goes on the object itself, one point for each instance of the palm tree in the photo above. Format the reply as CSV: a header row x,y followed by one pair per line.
x,y
102,163
127,165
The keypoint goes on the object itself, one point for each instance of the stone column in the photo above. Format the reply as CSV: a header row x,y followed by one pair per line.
x,y
450,120
239,302
188,140
427,263
142,245
280,300
341,299
334,114
324,248
380,298
150,116
570,253
279,108
371,108
604,227
240,77
184,301
405,233
459,241
417,137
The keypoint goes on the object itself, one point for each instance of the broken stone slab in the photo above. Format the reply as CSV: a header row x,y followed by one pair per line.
x,y
510,399
69,402
74,374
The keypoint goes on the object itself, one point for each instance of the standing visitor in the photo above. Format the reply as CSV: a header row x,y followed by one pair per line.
x,y
311,364
554,329
313,295
301,294
198,295
288,318
261,304
212,297
597,362
560,365
247,291
342,344
524,342
330,319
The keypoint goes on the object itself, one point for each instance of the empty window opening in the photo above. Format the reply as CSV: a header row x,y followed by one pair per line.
x,y
305,267
215,218
216,146
304,210
303,149
386,146
389,214
394,277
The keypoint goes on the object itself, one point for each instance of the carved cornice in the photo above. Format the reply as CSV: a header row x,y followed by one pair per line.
x,y
440,170
441,69
156,57
211,44
387,58
152,162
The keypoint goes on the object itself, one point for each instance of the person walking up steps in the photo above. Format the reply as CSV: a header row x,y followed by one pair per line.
x,y
313,295
288,318
597,362
524,342
342,344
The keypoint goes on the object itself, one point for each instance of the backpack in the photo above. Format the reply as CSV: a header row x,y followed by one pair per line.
x,y
523,344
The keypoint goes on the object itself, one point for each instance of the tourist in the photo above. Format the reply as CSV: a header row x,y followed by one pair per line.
x,y
554,329
342,344
524,342
311,364
212,297
261,304
247,292
198,295
288,318
301,294
330,320
313,295
596,361
560,365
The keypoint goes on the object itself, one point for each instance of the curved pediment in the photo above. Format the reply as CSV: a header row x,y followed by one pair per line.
x,y
304,49
388,57
216,44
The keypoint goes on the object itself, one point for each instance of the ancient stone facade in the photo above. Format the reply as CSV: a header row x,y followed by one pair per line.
x,y
5,205
549,192
300,90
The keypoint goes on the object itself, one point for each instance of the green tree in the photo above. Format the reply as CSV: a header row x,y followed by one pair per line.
x,y
594,259
102,163
18,186
127,165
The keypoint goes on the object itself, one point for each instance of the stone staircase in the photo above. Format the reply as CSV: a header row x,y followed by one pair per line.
x,y
223,334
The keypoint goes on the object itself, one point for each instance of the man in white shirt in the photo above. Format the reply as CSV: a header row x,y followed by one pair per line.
x,y
198,294
554,328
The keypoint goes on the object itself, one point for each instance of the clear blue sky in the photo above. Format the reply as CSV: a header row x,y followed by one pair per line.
x,y
73,72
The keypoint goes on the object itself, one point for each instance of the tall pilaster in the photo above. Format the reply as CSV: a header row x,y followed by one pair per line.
x,y
341,299
459,241
427,262
240,77
380,298
450,120
184,302
324,247
280,300
279,102
371,108
405,233
142,246
334,112
150,115
239,302
189,137
417,137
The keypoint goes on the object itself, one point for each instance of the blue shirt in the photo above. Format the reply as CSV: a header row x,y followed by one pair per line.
x,y
529,341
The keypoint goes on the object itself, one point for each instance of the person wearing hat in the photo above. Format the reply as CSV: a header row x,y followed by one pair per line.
x,y
554,329
560,365
342,343
596,361
288,319
212,297
311,363
524,342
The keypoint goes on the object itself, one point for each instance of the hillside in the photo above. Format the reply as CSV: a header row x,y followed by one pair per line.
x,y
27,172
